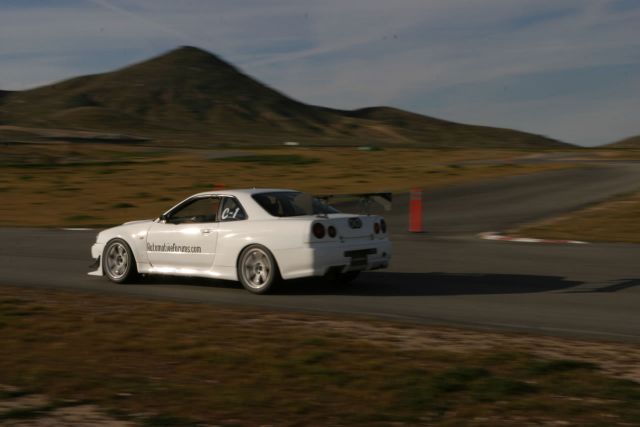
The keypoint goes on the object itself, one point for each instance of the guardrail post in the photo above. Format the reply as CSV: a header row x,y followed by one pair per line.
x,y
415,211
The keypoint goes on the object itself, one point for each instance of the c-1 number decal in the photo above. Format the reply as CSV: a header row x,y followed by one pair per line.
x,y
228,213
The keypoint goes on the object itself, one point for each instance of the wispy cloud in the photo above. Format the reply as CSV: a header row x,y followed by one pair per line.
x,y
141,18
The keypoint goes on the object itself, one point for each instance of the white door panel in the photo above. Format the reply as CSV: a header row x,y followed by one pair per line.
x,y
182,246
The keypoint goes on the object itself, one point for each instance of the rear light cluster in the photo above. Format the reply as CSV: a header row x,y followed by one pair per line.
x,y
381,226
319,230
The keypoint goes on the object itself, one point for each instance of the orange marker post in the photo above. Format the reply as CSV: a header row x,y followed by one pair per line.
x,y
415,211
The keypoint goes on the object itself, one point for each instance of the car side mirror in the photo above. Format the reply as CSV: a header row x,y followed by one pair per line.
x,y
163,217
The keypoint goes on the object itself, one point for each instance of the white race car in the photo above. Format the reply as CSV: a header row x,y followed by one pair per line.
x,y
256,236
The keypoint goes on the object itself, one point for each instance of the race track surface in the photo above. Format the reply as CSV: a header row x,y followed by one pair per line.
x,y
446,276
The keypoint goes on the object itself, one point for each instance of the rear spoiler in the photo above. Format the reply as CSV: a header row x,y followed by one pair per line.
x,y
364,199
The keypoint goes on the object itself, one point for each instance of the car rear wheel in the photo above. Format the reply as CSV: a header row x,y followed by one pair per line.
x,y
118,261
257,269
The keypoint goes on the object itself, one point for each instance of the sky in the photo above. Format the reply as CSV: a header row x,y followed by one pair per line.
x,y
568,69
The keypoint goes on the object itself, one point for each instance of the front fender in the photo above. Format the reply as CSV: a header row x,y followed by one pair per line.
x,y
134,234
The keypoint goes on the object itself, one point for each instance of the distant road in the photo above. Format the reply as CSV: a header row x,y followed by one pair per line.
x,y
502,203
445,277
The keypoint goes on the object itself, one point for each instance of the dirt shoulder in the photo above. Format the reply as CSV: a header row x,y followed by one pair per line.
x,y
165,363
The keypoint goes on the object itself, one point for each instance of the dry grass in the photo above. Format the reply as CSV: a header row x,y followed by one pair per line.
x,y
69,184
616,220
610,154
177,364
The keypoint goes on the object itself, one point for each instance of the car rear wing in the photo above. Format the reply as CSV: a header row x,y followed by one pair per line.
x,y
363,200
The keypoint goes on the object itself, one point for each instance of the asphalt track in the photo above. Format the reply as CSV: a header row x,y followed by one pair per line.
x,y
446,276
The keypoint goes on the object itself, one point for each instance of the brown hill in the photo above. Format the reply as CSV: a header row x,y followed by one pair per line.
x,y
191,96
631,142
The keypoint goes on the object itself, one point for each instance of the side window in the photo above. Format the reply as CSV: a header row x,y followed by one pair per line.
x,y
200,210
231,210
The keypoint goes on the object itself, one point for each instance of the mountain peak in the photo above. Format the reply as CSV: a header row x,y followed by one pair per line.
x,y
188,56
189,51
187,48
183,69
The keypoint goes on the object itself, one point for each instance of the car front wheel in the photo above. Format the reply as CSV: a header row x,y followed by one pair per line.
x,y
118,261
257,269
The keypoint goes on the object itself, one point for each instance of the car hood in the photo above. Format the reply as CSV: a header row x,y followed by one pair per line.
x,y
139,221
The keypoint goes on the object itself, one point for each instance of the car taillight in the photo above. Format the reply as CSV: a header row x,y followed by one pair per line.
x,y
383,225
318,230
376,228
332,231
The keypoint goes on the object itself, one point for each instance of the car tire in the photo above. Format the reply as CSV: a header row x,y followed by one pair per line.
x,y
342,280
118,261
348,277
257,269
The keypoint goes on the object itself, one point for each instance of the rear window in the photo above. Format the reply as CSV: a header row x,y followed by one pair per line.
x,y
292,203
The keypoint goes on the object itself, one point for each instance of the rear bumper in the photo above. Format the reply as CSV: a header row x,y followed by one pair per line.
x,y
319,258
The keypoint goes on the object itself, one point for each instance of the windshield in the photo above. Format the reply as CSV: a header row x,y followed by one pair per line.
x,y
292,203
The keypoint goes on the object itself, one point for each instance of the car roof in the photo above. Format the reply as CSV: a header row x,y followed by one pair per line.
x,y
242,191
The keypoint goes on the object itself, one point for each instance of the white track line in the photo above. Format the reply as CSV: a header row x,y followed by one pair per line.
x,y
492,235
76,229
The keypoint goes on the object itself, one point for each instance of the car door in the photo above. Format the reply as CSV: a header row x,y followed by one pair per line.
x,y
186,238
